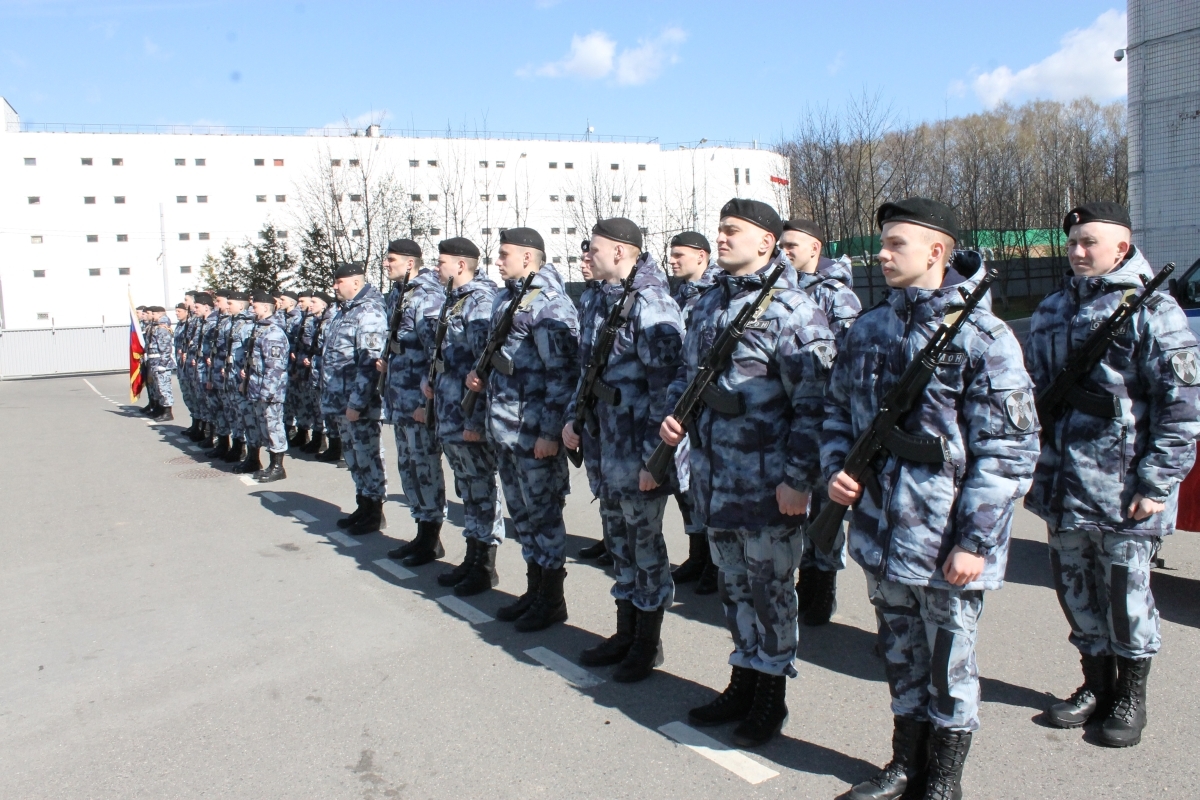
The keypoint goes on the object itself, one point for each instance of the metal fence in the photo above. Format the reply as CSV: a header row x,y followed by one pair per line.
x,y
36,352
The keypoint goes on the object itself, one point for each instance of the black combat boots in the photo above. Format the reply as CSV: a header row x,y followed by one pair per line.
x,y
614,649
947,755
206,439
482,575
768,713
698,558
274,471
593,550
549,607
165,414
299,439
533,584
333,453
708,579
372,518
314,445
252,463
455,576
646,652
806,582
221,449
237,451
359,508
427,546
1092,699
197,432
1124,723
824,598
906,770
731,705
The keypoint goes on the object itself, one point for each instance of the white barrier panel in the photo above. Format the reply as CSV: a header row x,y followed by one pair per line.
x,y
34,352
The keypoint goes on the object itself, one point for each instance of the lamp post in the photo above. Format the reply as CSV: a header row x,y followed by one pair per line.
x,y
695,216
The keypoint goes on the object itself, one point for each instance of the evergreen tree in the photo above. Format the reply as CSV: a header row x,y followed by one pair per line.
x,y
224,272
317,261
269,264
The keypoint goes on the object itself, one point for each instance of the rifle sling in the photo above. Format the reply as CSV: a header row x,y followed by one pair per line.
x,y
1104,405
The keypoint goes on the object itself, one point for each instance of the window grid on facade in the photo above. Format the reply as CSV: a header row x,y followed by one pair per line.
x,y
183,237
356,198
555,230
122,237
185,270
557,259
487,231
182,198
572,259
616,198
433,198
502,197
553,165
614,166
203,236
553,198
35,240
119,199
118,162
199,162
484,197
122,270
642,198
356,232
568,165
279,162
260,198
181,162
259,162
35,200
570,231
412,162
86,162
89,201
432,163
201,198
435,231
281,198
354,162
39,273
335,162
483,164
570,198
93,272
416,198
641,167
31,162
93,237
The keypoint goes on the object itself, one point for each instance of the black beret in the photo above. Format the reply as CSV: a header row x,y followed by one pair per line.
x,y
805,226
181,305
458,246
619,229
920,211
404,247
142,308
288,293
323,297
349,269
262,296
243,296
190,293
221,293
153,309
755,212
306,293
203,298
1100,211
523,237
691,239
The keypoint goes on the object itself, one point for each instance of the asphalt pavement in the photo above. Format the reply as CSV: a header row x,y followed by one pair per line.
x,y
169,631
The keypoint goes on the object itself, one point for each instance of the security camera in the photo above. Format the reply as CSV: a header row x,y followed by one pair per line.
x,y
1119,55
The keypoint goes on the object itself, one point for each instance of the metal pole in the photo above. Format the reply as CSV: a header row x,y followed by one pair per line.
x,y
162,233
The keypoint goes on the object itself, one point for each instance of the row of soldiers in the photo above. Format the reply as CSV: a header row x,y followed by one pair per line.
x,y
762,374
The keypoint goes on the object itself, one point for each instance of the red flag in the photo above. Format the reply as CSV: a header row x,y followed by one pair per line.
x,y
136,349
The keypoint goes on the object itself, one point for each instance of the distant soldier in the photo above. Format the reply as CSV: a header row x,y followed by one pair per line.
x,y
464,439
266,369
178,340
218,352
160,360
830,283
246,444
332,454
207,338
597,551
753,469
308,408
354,340
418,450
183,337
690,258
931,530
527,395
196,368
1107,482
296,383
643,359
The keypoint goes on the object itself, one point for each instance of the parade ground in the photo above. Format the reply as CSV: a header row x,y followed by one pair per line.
x,y
171,632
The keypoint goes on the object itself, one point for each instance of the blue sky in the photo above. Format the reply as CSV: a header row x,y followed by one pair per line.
x,y
680,71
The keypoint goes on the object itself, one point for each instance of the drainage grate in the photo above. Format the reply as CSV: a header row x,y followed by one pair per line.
x,y
179,460
203,473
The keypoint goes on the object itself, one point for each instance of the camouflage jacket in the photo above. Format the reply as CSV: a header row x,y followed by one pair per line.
x,y
318,344
179,340
779,368
543,350
645,358
410,350
467,326
591,295
979,399
267,365
1091,467
832,288
220,348
239,334
686,292
306,342
207,340
354,339
160,346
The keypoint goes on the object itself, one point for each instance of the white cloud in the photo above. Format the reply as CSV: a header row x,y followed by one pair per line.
x,y
835,66
594,56
1082,66
358,123
591,56
643,63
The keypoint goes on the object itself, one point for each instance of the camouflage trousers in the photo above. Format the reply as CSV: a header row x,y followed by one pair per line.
x,y
364,456
691,526
163,388
1103,585
291,403
835,559
633,533
419,461
308,405
928,637
185,391
268,418
474,467
758,592
219,409
535,491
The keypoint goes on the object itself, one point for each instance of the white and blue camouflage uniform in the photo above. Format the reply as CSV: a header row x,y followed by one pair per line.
x,y
245,424
160,358
267,368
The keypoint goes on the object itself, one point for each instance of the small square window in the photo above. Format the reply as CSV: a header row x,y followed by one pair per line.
x,y
181,162
556,230
119,199
572,259
118,162
487,261
356,232
356,198
260,198
199,162
553,165
641,167
645,231
416,198
570,198
39,273
31,162
281,198
413,162
89,201
335,162
201,198
87,162
202,236
568,165
487,231
557,259
122,237
483,164
614,166
35,240
181,198
33,201
435,231
616,198
258,162
185,270
122,270
262,235
339,231
432,163
485,197
747,171
502,197
500,164
279,162
183,237
93,272
93,237
642,198
553,198
433,198
43,314
570,231
354,162
280,234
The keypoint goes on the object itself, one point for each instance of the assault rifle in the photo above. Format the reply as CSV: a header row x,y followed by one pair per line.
x,y
435,364
1065,390
883,433
393,328
248,358
703,389
593,387
491,353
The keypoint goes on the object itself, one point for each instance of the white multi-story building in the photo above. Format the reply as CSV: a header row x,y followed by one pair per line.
x,y
93,216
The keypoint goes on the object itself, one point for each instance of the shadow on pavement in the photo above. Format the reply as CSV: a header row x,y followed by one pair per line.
x,y
1177,598
1029,563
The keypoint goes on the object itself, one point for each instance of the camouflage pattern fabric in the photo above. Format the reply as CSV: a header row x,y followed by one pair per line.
x,y
364,456
410,350
832,288
466,336
272,433
239,334
535,491
353,341
419,461
267,365
639,552
474,467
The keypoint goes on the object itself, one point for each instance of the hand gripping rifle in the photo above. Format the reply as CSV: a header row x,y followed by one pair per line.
x,y
436,367
491,353
1065,390
248,358
593,387
392,344
703,389
899,400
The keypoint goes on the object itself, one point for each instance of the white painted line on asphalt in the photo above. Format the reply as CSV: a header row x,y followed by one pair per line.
x,y
271,497
195,448
464,609
342,539
389,566
249,481
93,388
733,760
303,516
567,670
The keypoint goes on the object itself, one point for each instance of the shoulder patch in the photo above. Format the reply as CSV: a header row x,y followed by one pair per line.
x,y
1019,408
824,353
276,352
1185,367
952,359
